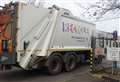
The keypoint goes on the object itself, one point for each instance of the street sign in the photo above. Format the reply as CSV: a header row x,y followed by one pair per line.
x,y
99,51
113,54
115,35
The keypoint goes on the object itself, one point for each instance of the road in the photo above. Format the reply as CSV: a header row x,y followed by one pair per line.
x,y
81,74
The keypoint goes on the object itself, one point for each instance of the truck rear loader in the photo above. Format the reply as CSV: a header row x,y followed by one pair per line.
x,y
36,37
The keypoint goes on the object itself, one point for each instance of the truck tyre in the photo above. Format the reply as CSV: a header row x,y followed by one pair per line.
x,y
54,64
70,62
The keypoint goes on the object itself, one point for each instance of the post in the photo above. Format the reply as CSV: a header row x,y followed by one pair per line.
x,y
115,62
92,60
115,36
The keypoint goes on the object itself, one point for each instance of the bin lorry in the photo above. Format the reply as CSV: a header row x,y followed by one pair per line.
x,y
36,37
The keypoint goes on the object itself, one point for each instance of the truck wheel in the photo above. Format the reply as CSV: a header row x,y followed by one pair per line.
x,y
54,64
70,62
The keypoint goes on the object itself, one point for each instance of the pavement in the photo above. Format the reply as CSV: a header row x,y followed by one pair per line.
x,y
81,74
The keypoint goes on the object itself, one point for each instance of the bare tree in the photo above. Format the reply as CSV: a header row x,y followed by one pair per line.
x,y
40,2
101,8
33,2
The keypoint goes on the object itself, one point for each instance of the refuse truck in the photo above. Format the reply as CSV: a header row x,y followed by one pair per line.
x,y
36,37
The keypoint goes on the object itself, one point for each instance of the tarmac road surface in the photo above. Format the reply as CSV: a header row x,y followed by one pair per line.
x,y
81,74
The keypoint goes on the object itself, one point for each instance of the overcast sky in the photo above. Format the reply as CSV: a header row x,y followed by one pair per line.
x,y
105,25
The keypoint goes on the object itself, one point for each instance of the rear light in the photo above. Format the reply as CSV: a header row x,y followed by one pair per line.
x,y
10,47
5,45
1,51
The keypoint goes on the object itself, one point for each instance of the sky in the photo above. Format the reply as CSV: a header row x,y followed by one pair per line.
x,y
108,25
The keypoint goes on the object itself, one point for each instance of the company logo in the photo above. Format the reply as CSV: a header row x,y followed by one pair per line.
x,y
67,27
73,28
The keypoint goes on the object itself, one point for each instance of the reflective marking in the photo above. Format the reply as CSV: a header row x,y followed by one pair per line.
x,y
91,62
91,58
91,55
